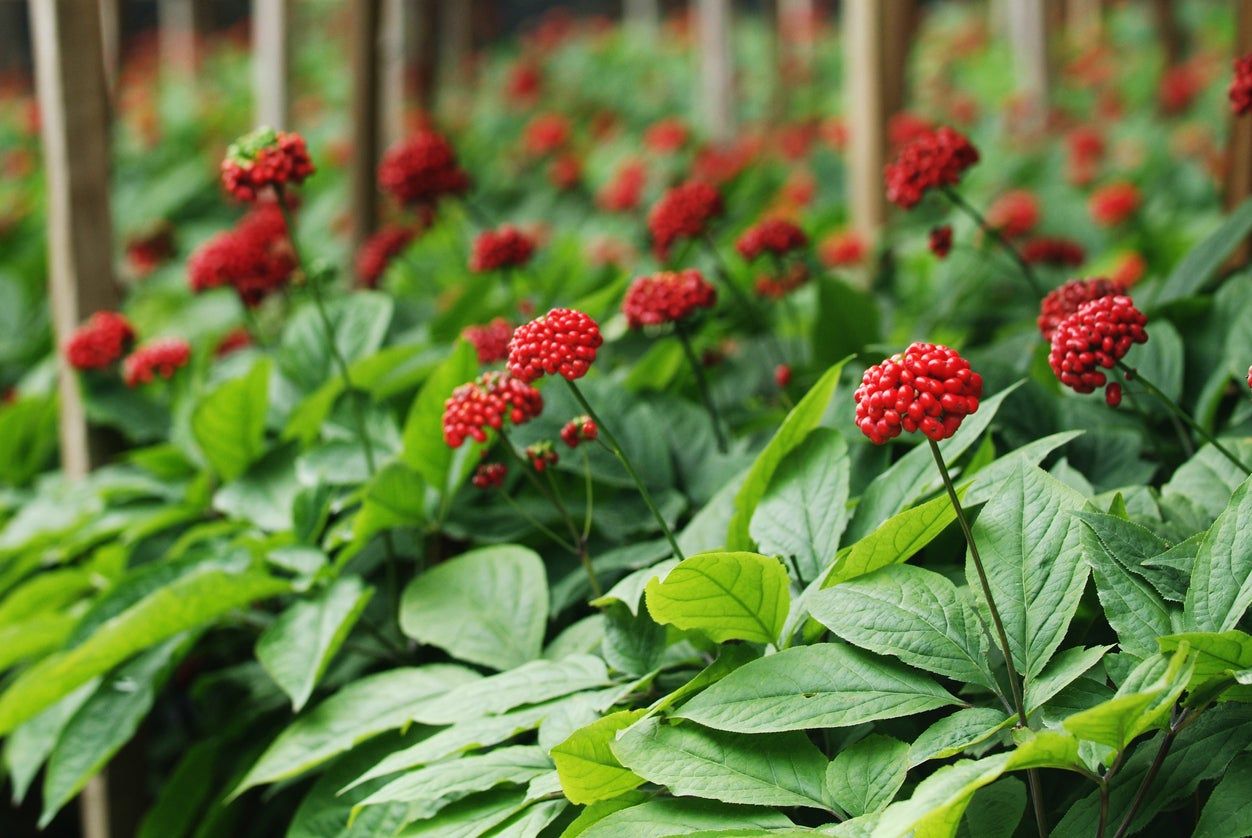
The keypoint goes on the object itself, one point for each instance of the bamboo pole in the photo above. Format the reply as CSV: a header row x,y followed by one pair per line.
x,y
271,60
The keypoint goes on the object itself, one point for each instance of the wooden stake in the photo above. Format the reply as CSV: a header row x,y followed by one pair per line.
x,y
456,43
110,33
1173,39
1028,32
1084,22
426,49
717,90
271,59
365,114
396,18
644,17
176,21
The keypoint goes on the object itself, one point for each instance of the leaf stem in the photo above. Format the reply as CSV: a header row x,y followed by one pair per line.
x,y
702,384
1028,273
1155,768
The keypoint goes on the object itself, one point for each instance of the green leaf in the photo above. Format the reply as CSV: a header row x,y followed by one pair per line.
x,y
467,818
361,710
194,600
804,511
1028,539
28,438
264,496
394,497
589,772
424,449
995,811
488,606
803,418
359,322
1221,579
529,683
727,596
849,318
27,747
1216,653
1131,606
229,423
824,685
297,647
1228,812
783,770
910,613
953,734
897,540
1067,667
864,777
1195,270
1134,710
666,816
186,792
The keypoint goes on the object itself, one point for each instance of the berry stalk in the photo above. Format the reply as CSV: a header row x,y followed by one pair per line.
x,y
702,385
1028,273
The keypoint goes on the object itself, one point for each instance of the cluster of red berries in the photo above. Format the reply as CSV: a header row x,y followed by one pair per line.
x,y
1241,86
666,136
1015,213
255,257
933,159
149,250
1112,204
1098,334
161,357
776,236
579,429
565,172
506,247
485,403
490,475
541,455
624,191
667,297
100,342
1085,146
490,340
682,212
421,170
265,158
777,287
842,249
562,342
1057,252
233,341
1061,302
929,388
546,134
941,241
378,251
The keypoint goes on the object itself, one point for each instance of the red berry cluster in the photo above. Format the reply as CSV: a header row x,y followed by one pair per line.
x,y
941,241
933,159
579,429
562,342
1063,301
233,341
1112,204
1241,86
490,475
421,170
666,135
1098,335
265,158
255,257
565,172
682,212
378,251
930,388
777,287
1015,213
99,342
160,357
148,250
541,455
546,134
485,403
490,340
624,191
667,297
776,236
506,247
1058,252
842,249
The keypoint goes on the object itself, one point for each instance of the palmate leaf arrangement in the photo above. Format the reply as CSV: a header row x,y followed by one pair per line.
x,y
817,649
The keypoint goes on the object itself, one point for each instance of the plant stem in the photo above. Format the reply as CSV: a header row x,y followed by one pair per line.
x,y
1161,753
749,308
536,523
1028,273
701,384
525,468
1178,412
616,448
579,540
589,502
1015,686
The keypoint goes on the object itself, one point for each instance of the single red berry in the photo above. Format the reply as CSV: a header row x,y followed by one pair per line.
x,y
490,340
490,475
562,342
99,342
1241,86
1250,377
265,158
1113,394
667,297
578,430
782,376
934,158
541,455
378,251
683,212
941,241
1098,334
421,170
776,236
505,247
1063,301
928,388
484,404
1058,252
161,357
1112,204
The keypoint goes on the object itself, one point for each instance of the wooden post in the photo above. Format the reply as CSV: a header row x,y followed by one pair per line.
x,y
396,16
110,34
1173,39
643,17
176,21
795,17
456,42
426,49
717,94
1239,148
1028,32
365,113
1084,22
271,39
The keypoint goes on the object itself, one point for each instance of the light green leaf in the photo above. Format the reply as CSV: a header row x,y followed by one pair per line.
x,y
1216,653
1228,812
804,510
824,685
424,449
1028,539
727,596
667,816
359,322
589,772
229,423
488,606
429,789
1135,709
910,613
953,734
804,417
469,817
1061,671
783,770
297,647
896,541
864,777
1221,579
1131,606
530,683
27,747
1195,269
361,710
